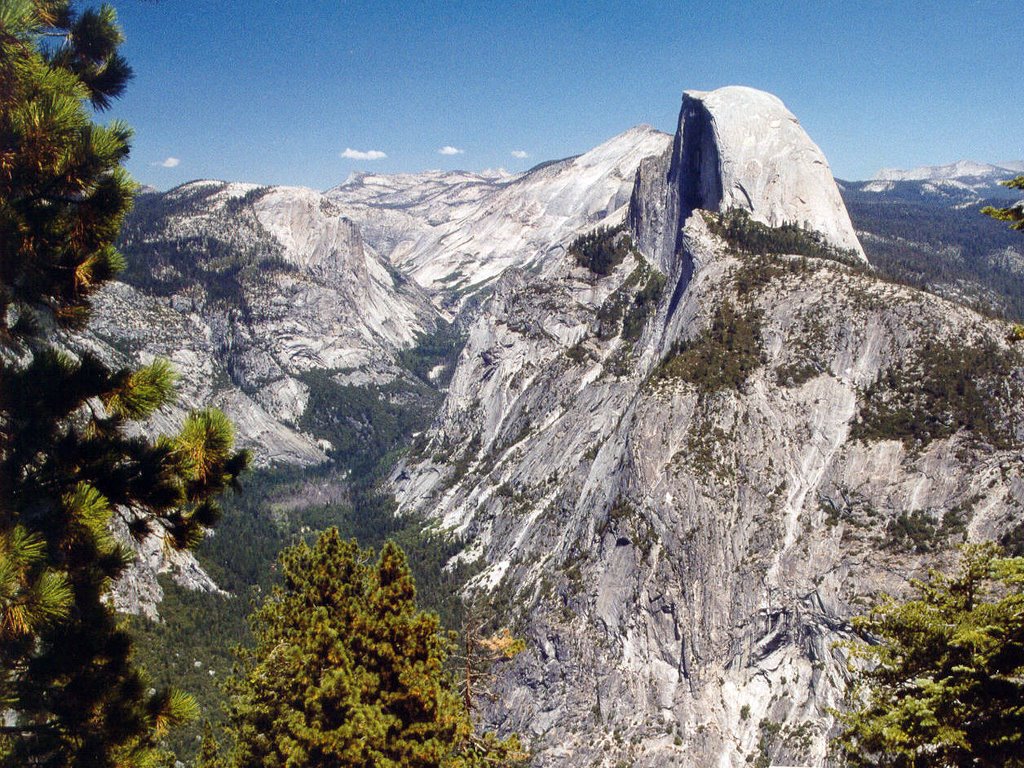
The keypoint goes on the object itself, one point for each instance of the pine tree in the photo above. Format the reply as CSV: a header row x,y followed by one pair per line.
x,y
943,680
1012,213
347,672
481,652
68,464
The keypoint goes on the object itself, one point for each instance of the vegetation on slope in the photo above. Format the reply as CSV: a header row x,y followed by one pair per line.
x,y
644,303
198,631
368,426
164,262
746,235
73,463
347,671
948,250
721,357
602,250
940,389
626,311
941,681
432,359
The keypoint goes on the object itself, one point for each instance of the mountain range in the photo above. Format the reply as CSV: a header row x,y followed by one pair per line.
x,y
680,404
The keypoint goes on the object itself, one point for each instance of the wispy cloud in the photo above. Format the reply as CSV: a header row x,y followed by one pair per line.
x,y
168,162
358,154
520,154
450,150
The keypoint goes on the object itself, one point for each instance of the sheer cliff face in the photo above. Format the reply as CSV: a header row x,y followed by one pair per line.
x,y
681,494
737,148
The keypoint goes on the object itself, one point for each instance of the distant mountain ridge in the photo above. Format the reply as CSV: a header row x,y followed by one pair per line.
x,y
961,169
455,232
923,226
963,182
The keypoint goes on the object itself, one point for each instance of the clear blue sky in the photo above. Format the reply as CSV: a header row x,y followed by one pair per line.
x,y
274,92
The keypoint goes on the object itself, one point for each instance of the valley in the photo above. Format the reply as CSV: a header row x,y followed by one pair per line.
x,y
676,456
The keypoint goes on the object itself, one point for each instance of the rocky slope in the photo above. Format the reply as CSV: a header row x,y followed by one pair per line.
x,y
453,233
680,479
250,291
257,292
262,299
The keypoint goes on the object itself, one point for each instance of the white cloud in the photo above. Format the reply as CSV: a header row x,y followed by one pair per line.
x,y
168,162
357,154
449,150
520,154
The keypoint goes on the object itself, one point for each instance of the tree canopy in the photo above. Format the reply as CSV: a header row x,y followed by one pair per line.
x,y
347,672
943,676
73,462
1014,214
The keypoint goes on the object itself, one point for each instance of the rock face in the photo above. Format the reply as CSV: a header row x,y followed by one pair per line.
x,y
681,479
248,290
737,147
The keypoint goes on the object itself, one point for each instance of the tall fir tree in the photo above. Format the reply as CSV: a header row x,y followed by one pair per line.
x,y
347,672
942,676
68,463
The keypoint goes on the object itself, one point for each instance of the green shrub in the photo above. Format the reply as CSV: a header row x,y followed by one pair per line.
x,y
441,346
796,373
365,425
1013,540
644,304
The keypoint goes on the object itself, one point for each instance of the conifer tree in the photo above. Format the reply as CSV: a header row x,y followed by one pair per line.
x,y
1011,213
68,464
347,672
943,682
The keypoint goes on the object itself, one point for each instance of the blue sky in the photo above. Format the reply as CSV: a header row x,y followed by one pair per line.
x,y
275,92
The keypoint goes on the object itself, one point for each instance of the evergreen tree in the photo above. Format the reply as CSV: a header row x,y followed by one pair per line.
x,y
347,672
68,464
481,652
943,683
1012,213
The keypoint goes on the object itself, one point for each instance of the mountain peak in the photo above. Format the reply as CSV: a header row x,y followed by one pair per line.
x,y
744,148
738,147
